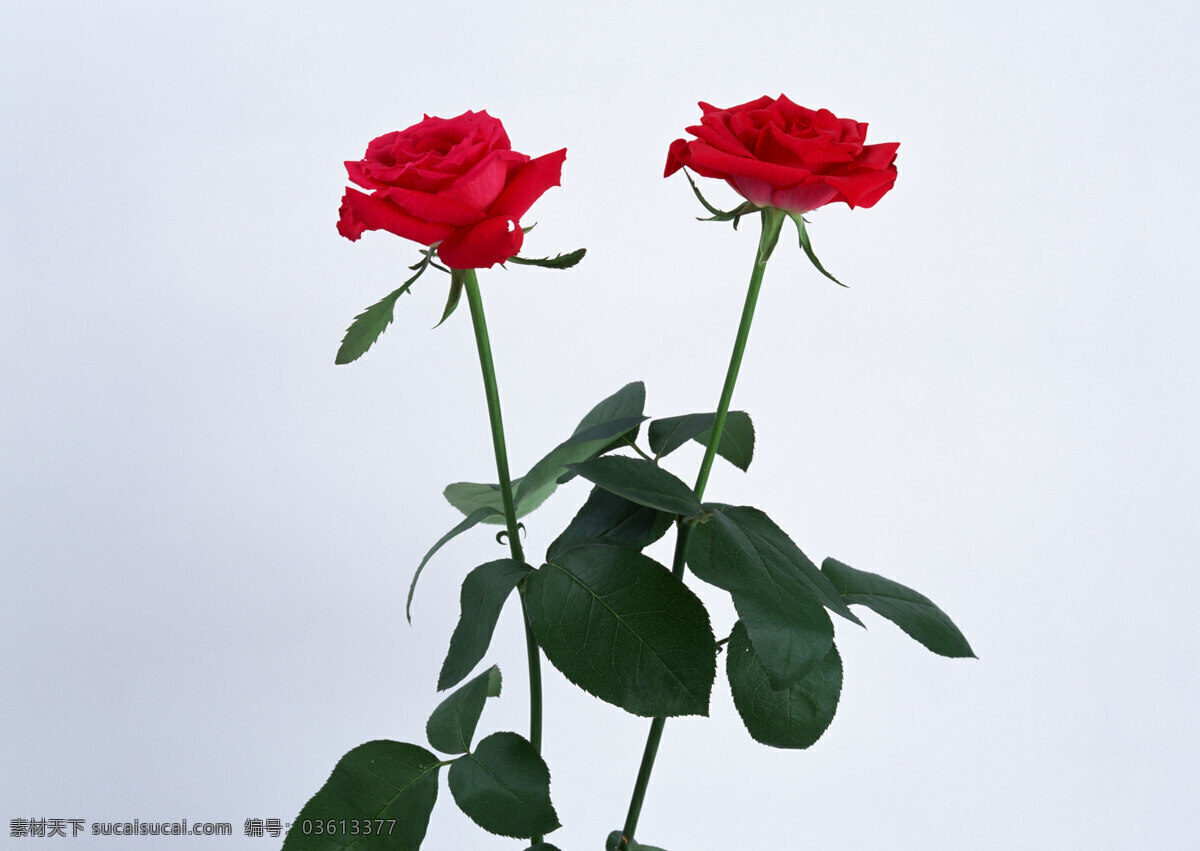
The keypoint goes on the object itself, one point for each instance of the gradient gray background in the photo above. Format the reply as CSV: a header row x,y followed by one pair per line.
x,y
207,529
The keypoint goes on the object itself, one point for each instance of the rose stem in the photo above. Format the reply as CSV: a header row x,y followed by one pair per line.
x,y
772,224
471,284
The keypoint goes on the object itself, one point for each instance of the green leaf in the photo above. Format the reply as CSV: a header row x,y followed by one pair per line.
x,y
794,717
558,261
620,626
670,433
453,296
378,780
469,497
737,440
580,446
452,725
640,481
912,612
609,519
737,437
808,249
504,787
542,846
605,427
367,326
484,592
474,518
778,593
629,401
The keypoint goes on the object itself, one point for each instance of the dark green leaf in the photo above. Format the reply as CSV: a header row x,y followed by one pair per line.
x,y
558,261
912,612
368,325
808,249
580,446
609,519
794,717
483,594
453,296
620,626
474,518
777,591
542,846
378,780
606,426
629,401
452,725
737,437
469,497
495,682
668,434
640,481
737,440
504,786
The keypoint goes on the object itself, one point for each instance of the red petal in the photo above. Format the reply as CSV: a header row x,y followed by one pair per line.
x,y
437,209
870,198
863,188
529,184
481,186
705,157
483,245
677,157
361,212
801,199
878,156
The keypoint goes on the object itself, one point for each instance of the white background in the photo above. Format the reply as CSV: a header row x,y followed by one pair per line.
x,y
207,529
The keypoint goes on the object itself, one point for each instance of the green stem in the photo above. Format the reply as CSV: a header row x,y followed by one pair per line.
x,y
471,284
772,224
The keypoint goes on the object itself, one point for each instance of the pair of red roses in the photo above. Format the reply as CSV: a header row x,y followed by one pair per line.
x,y
457,183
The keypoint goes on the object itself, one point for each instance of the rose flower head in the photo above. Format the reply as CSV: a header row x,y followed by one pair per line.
x,y
456,182
776,153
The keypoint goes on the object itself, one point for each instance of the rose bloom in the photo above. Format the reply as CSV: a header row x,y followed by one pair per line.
x,y
456,182
775,153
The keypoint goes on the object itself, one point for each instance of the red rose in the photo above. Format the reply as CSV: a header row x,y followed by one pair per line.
x,y
775,153
452,181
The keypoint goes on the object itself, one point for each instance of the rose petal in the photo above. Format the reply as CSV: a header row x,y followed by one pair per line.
x,y
869,197
720,137
878,156
777,153
361,212
862,186
757,103
481,186
704,156
483,245
437,209
801,199
815,154
677,157
529,184
757,192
